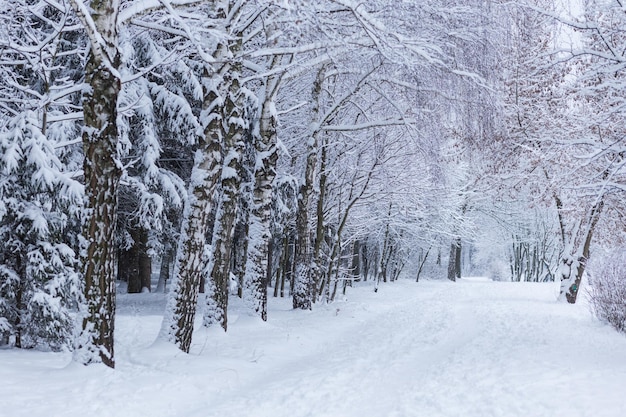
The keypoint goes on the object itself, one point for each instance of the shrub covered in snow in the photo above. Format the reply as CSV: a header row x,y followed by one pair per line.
x,y
607,295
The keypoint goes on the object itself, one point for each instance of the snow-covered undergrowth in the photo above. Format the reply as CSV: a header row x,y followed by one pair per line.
x,y
470,348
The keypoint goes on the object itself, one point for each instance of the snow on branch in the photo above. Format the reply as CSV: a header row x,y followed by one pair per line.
x,y
365,126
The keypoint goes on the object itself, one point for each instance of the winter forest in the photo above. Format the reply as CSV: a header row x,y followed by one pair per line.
x,y
289,151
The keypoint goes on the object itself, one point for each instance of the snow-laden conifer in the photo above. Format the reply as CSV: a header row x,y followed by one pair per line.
x,y
39,287
40,195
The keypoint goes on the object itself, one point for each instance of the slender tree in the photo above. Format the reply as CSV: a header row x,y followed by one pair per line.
x,y
102,173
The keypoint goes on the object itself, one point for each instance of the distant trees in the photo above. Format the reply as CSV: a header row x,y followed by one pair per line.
x,y
599,93
564,110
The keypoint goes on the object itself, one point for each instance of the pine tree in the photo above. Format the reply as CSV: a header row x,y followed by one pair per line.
x,y
39,196
38,285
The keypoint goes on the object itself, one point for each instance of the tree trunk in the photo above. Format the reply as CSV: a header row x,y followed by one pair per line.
x,y
222,242
280,273
270,262
164,271
260,216
303,291
287,265
454,262
128,267
356,261
573,266
18,327
134,265
457,260
102,175
421,265
384,258
144,262
192,258
366,261
319,228
240,245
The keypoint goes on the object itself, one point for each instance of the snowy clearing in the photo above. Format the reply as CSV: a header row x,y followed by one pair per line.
x,y
471,348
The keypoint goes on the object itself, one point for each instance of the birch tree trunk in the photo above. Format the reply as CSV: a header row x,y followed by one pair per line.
x,y
102,175
217,299
303,285
260,216
264,174
317,278
192,258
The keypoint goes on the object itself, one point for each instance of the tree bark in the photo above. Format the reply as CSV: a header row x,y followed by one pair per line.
x,y
573,266
318,281
192,259
128,267
264,174
222,242
454,262
164,271
303,291
134,264
421,265
144,262
102,176
259,232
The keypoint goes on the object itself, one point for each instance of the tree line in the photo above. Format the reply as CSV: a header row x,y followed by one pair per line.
x,y
247,145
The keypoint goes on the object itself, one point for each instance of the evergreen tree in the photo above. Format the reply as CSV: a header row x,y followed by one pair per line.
x,y
39,196
38,282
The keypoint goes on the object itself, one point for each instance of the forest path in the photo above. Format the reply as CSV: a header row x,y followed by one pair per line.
x,y
469,348
434,348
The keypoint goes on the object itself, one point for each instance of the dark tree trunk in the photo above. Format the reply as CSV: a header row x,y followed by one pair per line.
x,y
421,265
279,271
457,260
454,262
164,272
356,261
128,267
102,176
287,264
366,261
18,317
125,263
270,262
240,249
134,266
144,262
317,279
570,282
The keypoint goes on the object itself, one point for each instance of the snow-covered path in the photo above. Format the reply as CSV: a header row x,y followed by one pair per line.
x,y
469,348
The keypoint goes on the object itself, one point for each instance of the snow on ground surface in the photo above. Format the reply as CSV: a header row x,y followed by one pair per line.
x,y
471,348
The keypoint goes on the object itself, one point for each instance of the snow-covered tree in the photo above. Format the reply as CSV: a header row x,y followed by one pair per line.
x,y
102,172
39,194
567,97
38,283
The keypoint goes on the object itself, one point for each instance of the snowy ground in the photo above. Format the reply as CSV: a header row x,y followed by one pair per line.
x,y
471,348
